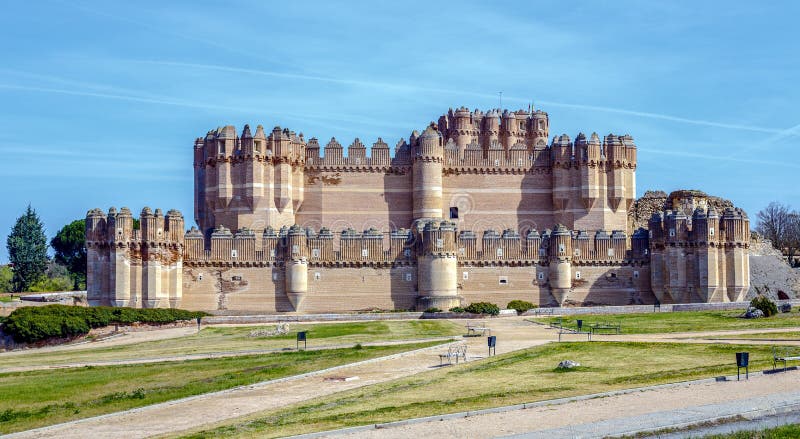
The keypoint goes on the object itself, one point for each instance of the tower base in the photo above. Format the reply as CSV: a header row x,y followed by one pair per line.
x,y
442,302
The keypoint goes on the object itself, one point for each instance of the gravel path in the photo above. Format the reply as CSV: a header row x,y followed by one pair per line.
x,y
613,415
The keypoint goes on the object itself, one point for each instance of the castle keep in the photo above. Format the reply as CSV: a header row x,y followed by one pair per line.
x,y
479,207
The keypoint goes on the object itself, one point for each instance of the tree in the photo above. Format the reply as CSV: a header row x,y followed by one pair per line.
x,y
781,225
27,250
69,245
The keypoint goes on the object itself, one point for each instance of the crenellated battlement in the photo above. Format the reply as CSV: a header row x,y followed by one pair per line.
x,y
405,246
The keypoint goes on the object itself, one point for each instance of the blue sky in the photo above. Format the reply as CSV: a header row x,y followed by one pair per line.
x,y
101,101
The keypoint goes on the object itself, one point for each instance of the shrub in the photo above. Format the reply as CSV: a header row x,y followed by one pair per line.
x,y
766,306
433,309
457,309
520,306
483,308
35,323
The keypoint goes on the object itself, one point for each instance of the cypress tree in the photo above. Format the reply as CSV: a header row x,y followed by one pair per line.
x,y
27,250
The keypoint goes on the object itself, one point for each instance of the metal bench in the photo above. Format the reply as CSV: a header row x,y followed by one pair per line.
x,y
454,352
784,355
472,331
574,331
605,326
543,311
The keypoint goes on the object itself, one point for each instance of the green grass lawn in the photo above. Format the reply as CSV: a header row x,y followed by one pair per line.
x,y
236,339
5,299
789,335
689,321
782,432
512,378
37,398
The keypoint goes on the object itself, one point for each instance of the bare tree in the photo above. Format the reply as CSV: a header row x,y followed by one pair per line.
x,y
781,225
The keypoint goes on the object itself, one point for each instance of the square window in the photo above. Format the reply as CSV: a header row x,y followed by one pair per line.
x,y
364,253
540,275
314,252
611,253
236,278
408,277
454,213
503,280
499,252
439,242
234,253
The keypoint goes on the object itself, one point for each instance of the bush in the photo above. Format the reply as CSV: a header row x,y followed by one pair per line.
x,y
520,306
483,308
433,309
457,309
35,323
766,306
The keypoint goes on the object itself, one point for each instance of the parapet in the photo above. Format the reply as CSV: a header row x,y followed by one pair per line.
x,y
117,228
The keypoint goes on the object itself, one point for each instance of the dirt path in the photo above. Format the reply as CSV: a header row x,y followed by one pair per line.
x,y
209,355
573,419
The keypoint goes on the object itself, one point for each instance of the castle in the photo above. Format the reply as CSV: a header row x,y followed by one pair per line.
x,y
479,207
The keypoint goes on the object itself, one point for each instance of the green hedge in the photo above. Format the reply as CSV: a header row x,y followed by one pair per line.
x,y
35,323
483,308
766,306
520,306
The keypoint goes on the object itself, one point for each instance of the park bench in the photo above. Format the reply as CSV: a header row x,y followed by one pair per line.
x,y
472,330
784,355
543,311
557,323
564,330
605,326
454,352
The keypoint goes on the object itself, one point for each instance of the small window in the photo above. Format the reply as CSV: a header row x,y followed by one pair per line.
x,y
364,253
520,162
503,280
711,231
611,253
561,248
651,234
407,252
540,276
317,276
314,252
454,213
257,147
272,252
541,124
542,252
522,125
357,161
636,275
199,277
408,277
577,275
465,275
236,278
671,232
439,242
462,251
295,249
577,252
234,253
274,276
499,252
497,162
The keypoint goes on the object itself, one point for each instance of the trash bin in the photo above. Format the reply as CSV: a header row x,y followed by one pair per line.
x,y
580,324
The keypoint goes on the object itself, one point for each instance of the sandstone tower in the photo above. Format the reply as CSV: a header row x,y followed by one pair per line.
x,y
479,206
